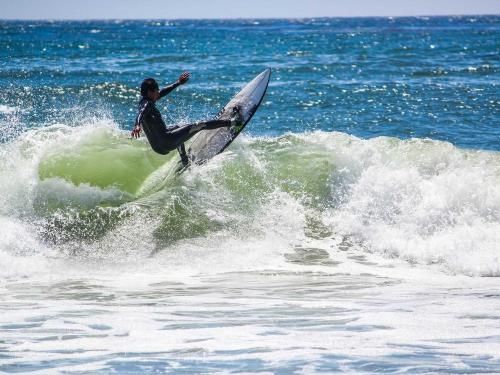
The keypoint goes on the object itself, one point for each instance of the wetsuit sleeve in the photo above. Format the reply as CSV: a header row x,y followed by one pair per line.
x,y
143,110
166,90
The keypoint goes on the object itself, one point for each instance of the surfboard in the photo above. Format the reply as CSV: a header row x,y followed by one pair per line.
x,y
208,143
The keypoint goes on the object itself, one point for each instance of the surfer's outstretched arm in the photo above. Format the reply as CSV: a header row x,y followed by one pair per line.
x,y
183,78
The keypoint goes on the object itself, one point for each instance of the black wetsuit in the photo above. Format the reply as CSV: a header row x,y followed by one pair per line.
x,y
162,138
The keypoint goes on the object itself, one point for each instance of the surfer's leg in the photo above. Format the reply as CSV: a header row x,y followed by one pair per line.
x,y
180,134
176,137
235,120
209,125
183,154
183,133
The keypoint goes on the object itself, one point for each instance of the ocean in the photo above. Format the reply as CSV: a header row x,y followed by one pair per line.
x,y
354,226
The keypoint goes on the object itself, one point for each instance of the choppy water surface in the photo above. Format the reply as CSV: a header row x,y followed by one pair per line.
x,y
354,227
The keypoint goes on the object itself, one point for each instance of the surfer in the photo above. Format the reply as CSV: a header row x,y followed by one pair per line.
x,y
164,139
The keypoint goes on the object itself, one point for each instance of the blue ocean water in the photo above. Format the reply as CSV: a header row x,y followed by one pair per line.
x,y
402,77
353,226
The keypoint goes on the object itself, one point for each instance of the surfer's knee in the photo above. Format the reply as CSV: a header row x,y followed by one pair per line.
x,y
161,148
162,151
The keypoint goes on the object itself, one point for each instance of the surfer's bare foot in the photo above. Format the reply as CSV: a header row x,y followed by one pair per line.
x,y
236,117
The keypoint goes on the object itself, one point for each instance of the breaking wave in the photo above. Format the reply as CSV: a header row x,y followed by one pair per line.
x,y
90,191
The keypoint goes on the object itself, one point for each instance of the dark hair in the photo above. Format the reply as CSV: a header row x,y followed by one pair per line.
x,y
147,85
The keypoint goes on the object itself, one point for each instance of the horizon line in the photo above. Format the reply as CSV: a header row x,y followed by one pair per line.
x,y
249,18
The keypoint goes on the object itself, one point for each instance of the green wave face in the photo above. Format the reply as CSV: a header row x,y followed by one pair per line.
x,y
105,162
102,159
91,184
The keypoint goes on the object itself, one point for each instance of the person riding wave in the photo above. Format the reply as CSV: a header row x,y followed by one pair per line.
x,y
161,137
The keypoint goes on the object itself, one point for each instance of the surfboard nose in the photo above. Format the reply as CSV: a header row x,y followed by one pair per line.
x,y
264,76
266,73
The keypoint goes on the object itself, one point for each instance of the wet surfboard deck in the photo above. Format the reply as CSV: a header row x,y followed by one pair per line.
x,y
208,143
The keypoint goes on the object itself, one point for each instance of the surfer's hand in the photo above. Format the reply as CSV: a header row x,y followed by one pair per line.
x,y
136,132
183,78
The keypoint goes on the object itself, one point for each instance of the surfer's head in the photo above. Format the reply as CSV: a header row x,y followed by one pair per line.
x,y
150,89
